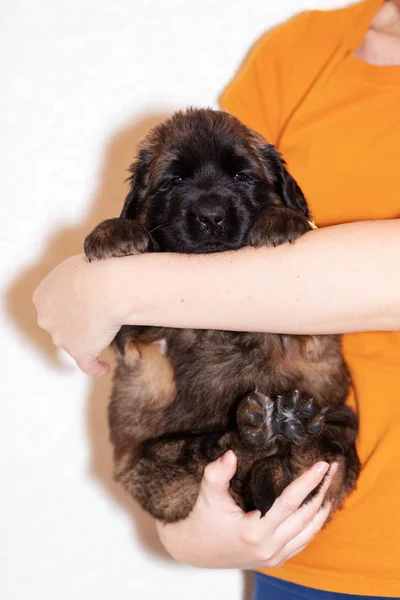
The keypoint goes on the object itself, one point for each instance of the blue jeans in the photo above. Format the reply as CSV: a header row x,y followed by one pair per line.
x,y
271,588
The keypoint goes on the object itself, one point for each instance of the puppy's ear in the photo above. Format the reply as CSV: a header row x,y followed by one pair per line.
x,y
139,169
285,185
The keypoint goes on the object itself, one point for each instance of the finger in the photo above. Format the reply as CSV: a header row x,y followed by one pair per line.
x,y
93,366
287,558
306,513
217,476
303,539
294,494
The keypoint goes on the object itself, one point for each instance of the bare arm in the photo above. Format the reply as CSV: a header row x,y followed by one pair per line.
x,y
332,280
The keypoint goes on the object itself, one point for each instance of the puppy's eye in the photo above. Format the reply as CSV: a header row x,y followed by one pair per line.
x,y
242,177
176,181
167,184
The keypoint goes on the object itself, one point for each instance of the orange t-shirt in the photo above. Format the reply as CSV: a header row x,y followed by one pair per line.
x,y
336,120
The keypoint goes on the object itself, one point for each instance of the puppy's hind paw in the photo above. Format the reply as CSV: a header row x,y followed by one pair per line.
x,y
254,419
298,418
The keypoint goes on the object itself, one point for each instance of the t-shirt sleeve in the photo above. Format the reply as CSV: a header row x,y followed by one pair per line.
x,y
260,94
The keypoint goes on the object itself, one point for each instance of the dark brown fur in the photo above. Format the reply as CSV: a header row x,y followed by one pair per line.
x,y
183,397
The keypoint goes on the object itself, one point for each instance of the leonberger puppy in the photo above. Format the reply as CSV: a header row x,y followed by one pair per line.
x,y
203,182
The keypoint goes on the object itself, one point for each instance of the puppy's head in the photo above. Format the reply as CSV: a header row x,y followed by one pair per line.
x,y
200,180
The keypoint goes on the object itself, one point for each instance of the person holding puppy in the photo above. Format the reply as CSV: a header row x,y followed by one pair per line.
x,y
324,88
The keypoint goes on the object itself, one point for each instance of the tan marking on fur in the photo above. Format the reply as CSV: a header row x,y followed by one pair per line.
x,y
122,465
131,354
153,373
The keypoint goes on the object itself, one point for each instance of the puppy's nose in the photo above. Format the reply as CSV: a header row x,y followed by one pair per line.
x,y
210,215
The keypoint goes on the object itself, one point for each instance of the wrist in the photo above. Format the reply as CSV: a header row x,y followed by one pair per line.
x,y
128,286
103,282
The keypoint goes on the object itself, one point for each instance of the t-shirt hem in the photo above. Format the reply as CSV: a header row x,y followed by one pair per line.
x,y
324,581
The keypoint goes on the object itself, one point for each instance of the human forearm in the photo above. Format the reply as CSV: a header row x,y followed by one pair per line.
x,y
333,280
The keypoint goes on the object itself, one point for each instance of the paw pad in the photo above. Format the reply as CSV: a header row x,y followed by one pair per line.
x,y
298,417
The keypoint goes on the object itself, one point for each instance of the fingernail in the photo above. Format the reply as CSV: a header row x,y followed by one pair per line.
x,y
225,457
321,467
334,468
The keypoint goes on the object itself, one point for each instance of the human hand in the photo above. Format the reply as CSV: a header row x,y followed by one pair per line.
x,y
218,534
75,306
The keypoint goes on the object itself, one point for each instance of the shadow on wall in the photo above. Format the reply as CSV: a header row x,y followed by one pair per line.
x,y
109,198
108,202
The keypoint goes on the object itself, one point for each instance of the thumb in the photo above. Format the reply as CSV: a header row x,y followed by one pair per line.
x,y
218,474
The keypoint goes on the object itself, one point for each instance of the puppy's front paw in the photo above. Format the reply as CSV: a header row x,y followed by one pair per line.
x,y
117,237
278,225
